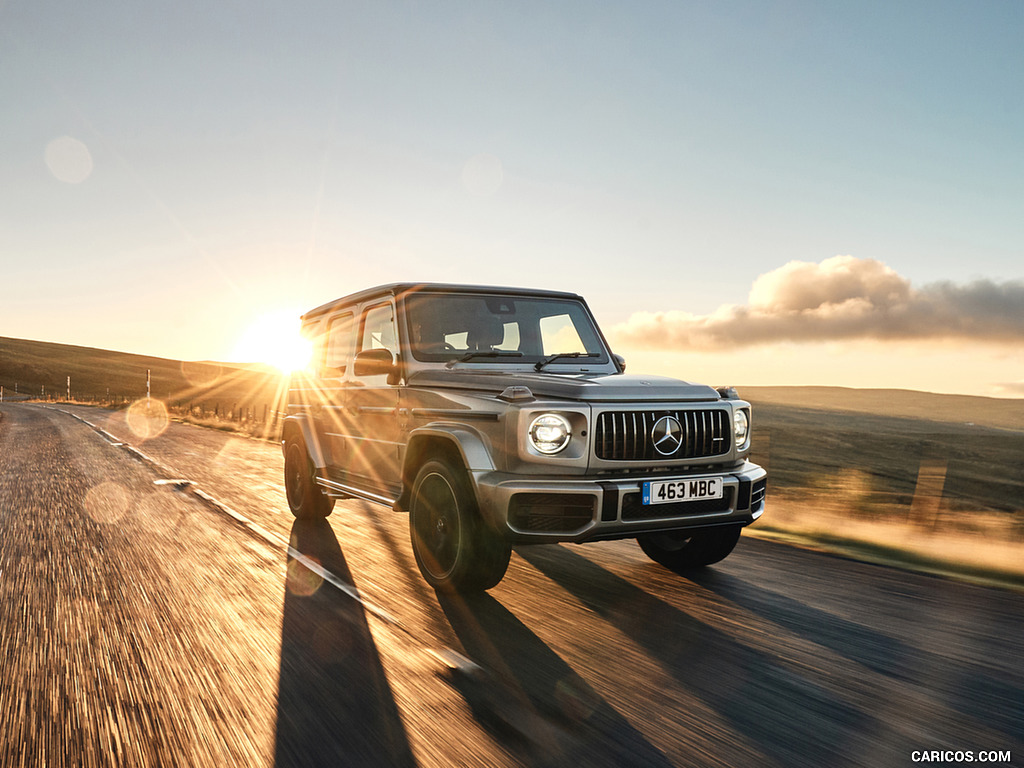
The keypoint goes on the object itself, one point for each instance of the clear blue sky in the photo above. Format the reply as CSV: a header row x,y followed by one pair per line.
x,y
169,172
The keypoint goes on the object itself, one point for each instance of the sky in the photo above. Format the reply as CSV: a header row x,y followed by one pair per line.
x,y
746,193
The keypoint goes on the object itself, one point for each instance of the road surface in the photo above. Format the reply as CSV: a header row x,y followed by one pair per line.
x,y
146,621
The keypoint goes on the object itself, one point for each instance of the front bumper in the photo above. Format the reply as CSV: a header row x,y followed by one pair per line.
x,y
570,509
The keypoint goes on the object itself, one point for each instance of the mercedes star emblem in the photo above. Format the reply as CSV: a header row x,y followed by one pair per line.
x,y
667,435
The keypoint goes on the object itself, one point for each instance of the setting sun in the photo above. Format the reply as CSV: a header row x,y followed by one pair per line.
x,y
274,339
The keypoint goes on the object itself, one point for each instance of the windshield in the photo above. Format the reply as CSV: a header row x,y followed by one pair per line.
x,y
493,329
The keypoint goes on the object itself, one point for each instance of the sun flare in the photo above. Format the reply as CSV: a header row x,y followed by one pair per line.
x,y
273,339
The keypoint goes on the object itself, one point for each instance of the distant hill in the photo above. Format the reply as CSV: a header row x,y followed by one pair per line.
x,y
810,437
41,369
999,413
814,437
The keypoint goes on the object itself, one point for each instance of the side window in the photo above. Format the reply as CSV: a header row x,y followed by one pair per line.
x,y
339,342
379,329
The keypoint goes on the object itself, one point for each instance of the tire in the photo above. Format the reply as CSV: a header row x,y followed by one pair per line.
x,y
681,552
455,549
305,499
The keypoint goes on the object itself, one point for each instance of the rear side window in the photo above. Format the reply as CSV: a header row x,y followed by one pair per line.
x,y
379,329
340,334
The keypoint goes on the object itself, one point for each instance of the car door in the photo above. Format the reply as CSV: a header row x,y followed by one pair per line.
x,y
333,418
373,446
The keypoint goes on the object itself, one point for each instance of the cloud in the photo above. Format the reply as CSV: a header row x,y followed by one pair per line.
x,y
842,298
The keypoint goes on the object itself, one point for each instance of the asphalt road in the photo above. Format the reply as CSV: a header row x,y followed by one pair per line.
x,y
146,622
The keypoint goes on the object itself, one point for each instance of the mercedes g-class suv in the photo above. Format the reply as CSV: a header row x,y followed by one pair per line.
x,y
499,416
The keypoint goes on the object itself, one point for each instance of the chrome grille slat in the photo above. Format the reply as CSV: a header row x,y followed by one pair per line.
x,y
626,435
643,420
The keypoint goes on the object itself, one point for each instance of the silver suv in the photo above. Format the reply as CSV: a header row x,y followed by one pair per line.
x,y
496,416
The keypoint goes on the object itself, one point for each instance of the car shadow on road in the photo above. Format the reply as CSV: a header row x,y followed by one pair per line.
x,y
790,718
982,695
335,705
532,700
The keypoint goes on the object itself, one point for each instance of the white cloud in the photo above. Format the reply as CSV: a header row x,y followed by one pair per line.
x,y
842,298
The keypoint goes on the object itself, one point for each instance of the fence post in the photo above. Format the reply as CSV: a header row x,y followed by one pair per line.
x,y
931,479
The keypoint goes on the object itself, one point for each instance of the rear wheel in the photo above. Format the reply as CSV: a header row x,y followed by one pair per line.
x,y
455,550
305,499
682,552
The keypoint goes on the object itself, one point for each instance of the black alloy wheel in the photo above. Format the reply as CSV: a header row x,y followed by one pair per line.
x,y
454,548
305,499
681,552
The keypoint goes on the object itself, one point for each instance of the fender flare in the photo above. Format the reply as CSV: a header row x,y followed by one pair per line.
x,y
469,446
301,424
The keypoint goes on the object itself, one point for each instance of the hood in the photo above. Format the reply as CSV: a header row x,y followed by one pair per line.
x,y
619,387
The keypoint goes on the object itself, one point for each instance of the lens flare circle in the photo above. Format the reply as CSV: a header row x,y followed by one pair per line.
x,y
69,160
147,418
107,502
301,581
201,374
577,701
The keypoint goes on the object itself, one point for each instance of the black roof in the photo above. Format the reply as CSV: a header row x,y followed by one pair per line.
x,y
395,289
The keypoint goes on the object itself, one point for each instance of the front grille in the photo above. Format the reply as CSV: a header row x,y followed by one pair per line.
x,y
632,435
633,507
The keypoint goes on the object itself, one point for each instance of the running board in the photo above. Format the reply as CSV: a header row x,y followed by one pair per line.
x,y
347,491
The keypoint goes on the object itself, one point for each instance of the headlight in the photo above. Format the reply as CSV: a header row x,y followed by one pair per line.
x,y
550,433
740,427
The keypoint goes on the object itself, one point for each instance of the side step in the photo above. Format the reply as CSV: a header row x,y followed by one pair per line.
x,y
340,491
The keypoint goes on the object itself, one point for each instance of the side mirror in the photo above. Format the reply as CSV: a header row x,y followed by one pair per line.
x,y
621,361
374,362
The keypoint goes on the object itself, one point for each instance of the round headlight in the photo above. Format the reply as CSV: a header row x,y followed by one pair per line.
x,y
740,427
550,433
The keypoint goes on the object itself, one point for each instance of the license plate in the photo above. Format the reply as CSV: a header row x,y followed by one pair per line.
x,y
669,491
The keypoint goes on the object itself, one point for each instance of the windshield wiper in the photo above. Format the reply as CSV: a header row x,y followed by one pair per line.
x,y
551,358
494,353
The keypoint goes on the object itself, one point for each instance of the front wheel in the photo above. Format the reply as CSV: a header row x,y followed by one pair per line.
x,y
681,552
305,499
455,550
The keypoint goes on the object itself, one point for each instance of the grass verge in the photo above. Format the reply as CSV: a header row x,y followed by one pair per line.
x,y
990,555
